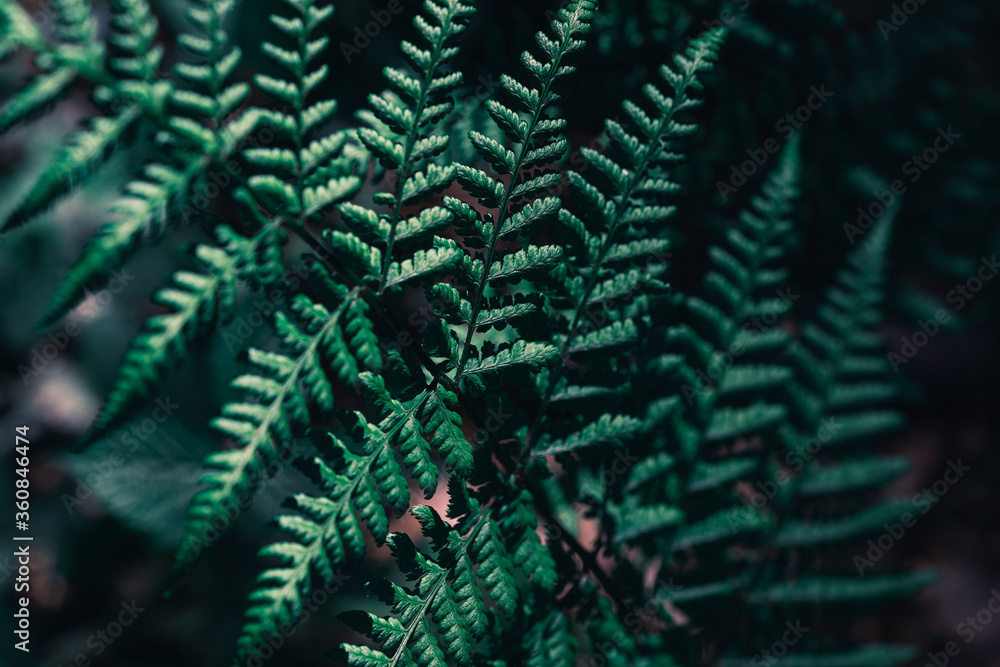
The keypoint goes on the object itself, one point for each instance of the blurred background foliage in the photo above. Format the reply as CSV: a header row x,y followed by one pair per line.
x,y
106,520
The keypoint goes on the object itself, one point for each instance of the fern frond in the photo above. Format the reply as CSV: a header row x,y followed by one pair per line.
x,y
442,617
683,499
136,60
148,205
196,301
611,261
18,28
75,23
519,202
403,135
307,177
75,28
723,385
358,487
440,427
631,471
137,56
35,98
281,397
197,135
327,531
206,98
842,590
852,475
81,157
517,522
838,360
414,428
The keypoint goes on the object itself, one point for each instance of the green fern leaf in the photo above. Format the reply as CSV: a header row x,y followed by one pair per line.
x,y
196,301
445,592
842,590
86,151
265,428
35,98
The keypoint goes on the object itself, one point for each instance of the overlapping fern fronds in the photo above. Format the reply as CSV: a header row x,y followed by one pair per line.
x,y
135,57
404,136
598,435
296,198
295,185
722,358
428,420
196,130
842,367
196,301
442,618
319,176
283,395
520,204
617,257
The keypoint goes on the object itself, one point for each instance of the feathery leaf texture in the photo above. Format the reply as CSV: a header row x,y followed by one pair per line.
x,y
196,303
149,354
136,58
327,530
705,362
196,133
556,385
283,394
403,135
441,618
303,179
615,234
358,487
520,203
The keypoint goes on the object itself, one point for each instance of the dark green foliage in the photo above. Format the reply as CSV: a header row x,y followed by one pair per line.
x,y
495,327
444,615
196,301
284,395
196,133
